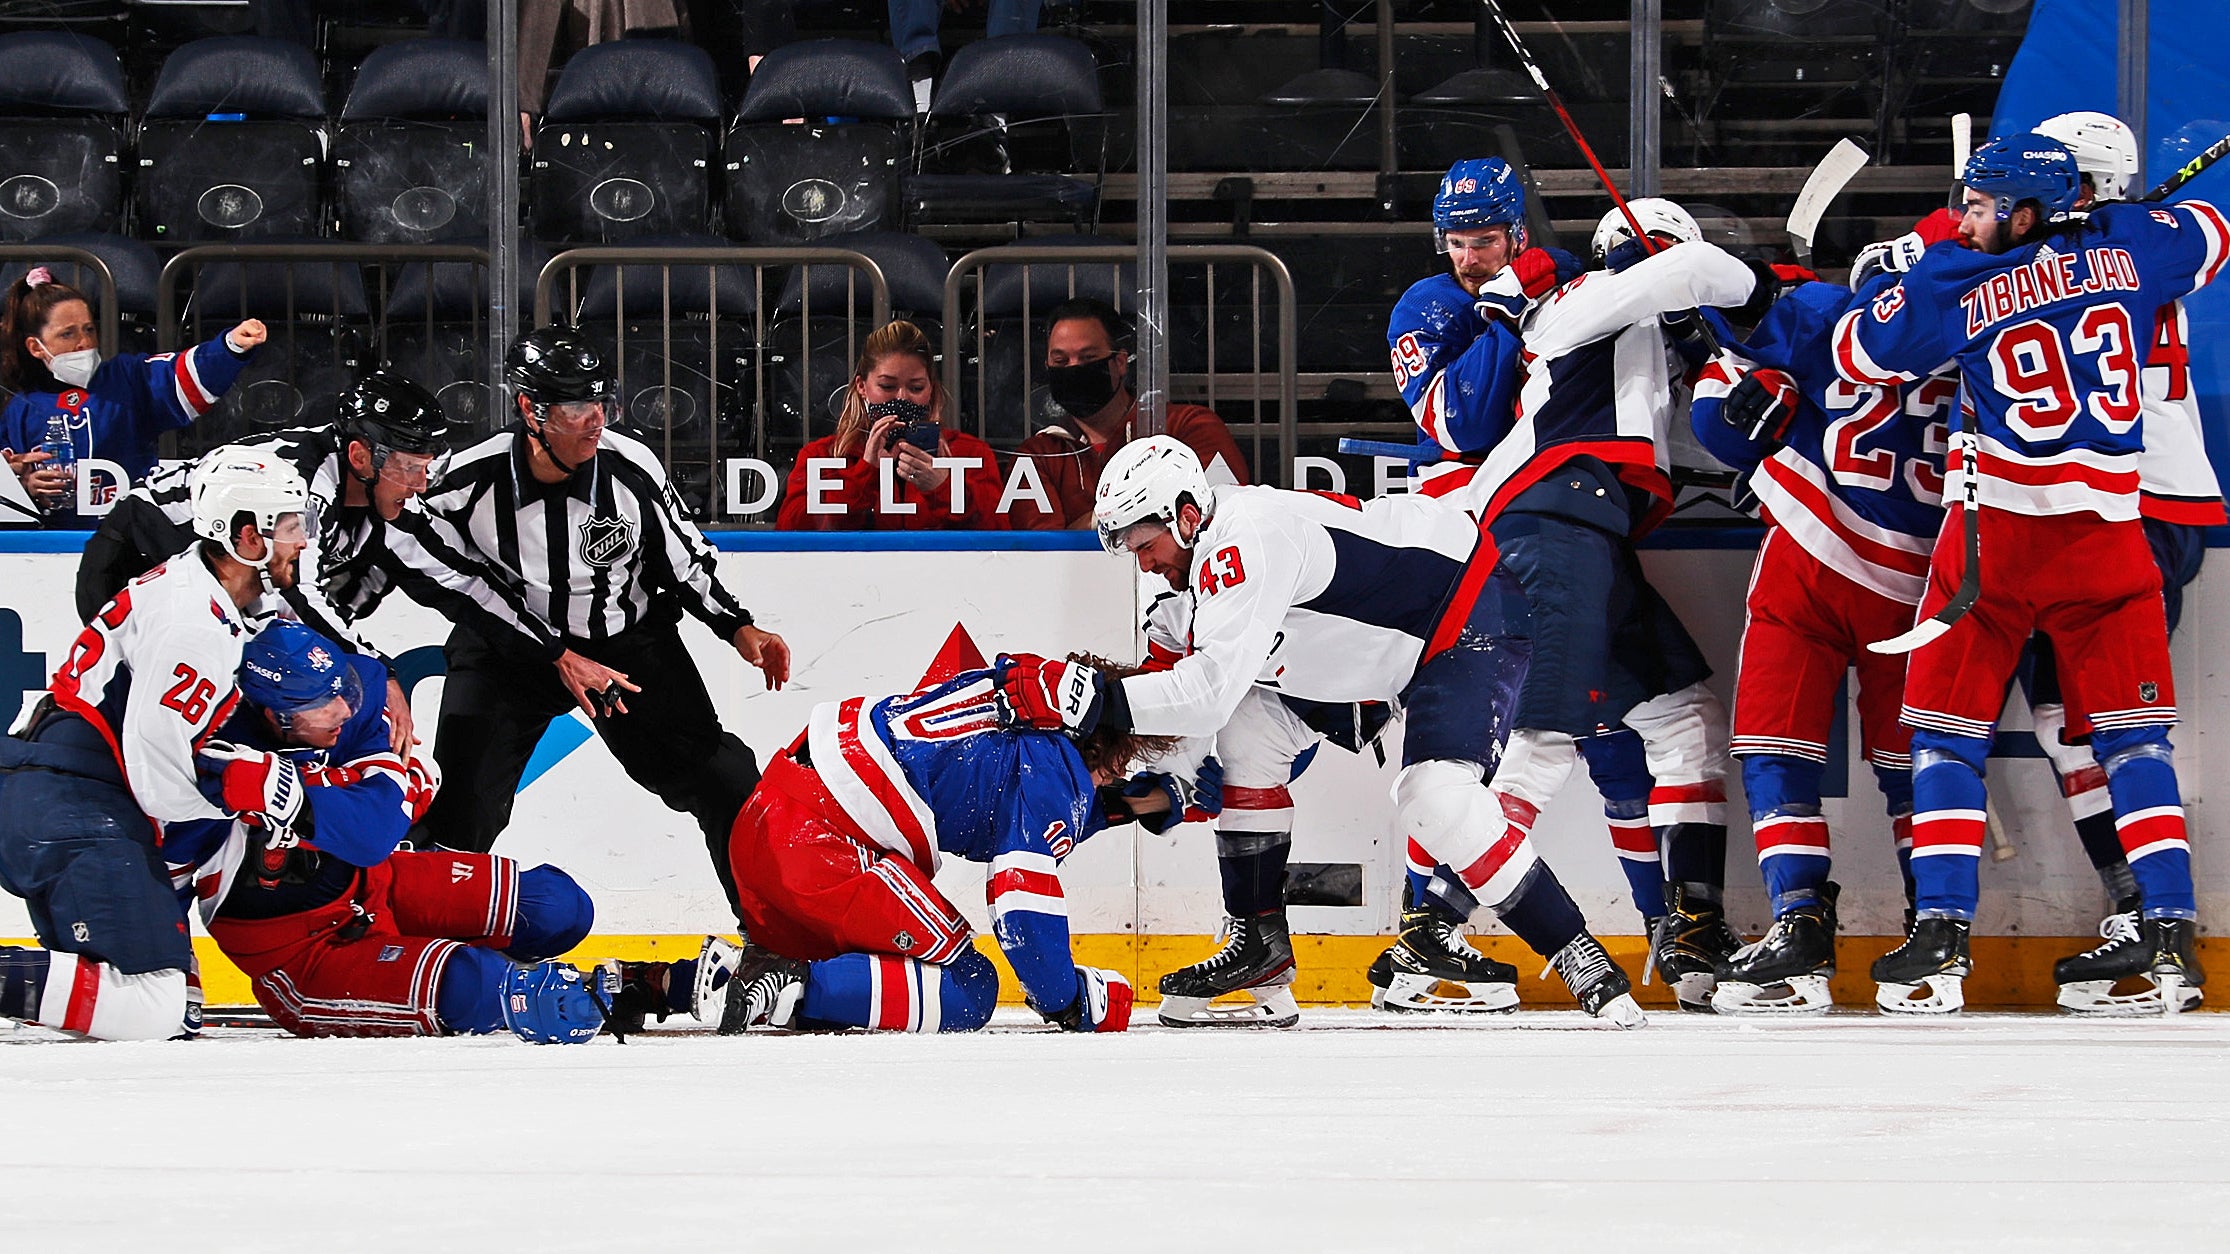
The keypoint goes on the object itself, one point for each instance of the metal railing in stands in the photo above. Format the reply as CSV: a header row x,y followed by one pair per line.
x,y
659,414
103,285
324,337
1201,386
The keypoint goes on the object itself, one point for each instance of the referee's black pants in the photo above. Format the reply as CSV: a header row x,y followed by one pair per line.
x,y
496,703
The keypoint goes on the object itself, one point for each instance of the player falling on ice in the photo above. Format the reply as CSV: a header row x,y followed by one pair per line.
x,y
2048,318
835,853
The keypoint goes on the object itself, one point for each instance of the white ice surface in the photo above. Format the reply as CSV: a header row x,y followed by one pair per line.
x,y
1537,1132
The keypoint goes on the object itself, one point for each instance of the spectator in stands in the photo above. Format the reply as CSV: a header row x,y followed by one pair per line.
x,y
1086,368
913,31
50,357
891,464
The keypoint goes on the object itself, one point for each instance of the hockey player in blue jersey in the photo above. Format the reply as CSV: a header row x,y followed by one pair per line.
x,y
835,852
1850,481
2048,316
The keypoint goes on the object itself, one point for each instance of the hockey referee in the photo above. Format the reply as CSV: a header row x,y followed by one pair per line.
x,y
587,523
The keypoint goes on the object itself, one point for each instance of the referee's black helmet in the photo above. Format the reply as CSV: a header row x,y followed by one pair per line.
x,y
556,365
390,414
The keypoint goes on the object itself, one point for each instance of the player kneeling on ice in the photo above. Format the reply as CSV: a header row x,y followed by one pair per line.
x,y
834,854
343,934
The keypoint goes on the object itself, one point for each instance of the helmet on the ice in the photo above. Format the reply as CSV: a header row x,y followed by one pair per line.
x,y
1148,480
236,480
1657,215
1477,194
289,670
2104,148
2014,168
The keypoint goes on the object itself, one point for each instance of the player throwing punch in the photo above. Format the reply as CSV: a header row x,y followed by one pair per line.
x,y
2048,317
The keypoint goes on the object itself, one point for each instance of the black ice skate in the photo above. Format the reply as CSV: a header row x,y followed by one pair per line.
x,y
1432,967
1602,989
1935,955
1687,944
765,990
1257,960
645,988
2176,969
2123,957
1785,971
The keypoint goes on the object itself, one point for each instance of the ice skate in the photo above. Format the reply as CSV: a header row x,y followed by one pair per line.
x,y
765,991
645,988
1687,944
1934,956
2122,960
2175,962
1602,989
1432,967
1785,971
1256,960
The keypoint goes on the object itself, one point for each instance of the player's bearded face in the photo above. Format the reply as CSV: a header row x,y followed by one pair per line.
x,y
1477,256
288,539
1158,553
1979,227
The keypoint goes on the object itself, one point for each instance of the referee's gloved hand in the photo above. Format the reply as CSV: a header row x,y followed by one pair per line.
x,y
264,787
1049,695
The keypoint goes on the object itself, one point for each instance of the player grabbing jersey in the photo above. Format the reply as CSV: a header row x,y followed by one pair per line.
x,y
2048,320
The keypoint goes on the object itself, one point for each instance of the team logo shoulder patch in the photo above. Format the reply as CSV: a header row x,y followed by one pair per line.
x,y
2148,692
390,953
604,541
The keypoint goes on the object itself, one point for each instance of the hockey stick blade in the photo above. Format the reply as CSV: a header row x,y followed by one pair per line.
x,y
1827,181
1924,632
2192,169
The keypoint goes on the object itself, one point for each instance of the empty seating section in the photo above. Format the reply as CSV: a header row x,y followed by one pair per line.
x,y
233,146
62,138
821,144
409,164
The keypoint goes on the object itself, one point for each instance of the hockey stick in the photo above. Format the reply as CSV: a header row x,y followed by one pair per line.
x,y
1970,522
1834,172
1424,450
2192,169
1962,147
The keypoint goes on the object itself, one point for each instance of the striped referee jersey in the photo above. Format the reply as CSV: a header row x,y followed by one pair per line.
x,y
359,557
598,554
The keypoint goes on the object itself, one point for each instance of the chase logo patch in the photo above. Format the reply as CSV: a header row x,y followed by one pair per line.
x,y
390,953
605,541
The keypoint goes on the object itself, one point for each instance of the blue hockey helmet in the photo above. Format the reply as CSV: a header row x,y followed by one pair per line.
x,y
1474,194
2029,166
289,670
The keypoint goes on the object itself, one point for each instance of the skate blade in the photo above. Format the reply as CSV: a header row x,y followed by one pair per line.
x,y
1944,996
1797,995
1272,1007
1693,991
2096,999
1413,994
1622,1012
716,955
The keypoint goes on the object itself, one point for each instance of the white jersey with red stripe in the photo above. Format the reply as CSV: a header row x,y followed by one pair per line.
x,y
2051,340
1314,596
1598,379
931,773
2175,480
155,673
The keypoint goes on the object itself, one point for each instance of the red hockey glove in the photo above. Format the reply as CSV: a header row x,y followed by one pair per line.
x,y
1762,406
1539,273
423,781
260,786
1048,695
1103,1002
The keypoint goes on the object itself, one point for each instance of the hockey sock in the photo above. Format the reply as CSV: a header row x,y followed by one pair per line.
x,y
902,994
1252,867
1949,800
554,915
2149,817
1619,766
1784,794
681,981
1541,913
22,981
1897,793
469,996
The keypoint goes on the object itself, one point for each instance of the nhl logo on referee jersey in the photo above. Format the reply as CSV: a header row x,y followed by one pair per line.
x,y
606,540
2148,692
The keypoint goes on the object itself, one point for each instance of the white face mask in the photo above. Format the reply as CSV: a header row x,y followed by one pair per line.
x,y
75,369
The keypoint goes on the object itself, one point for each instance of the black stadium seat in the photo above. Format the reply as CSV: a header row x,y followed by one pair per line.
x,y
812,344
626,146
434,329
411,154
798,182
62,107
1000,126
233,143
675,332
319,336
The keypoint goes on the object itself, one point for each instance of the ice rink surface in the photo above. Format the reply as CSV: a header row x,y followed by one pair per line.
x,y
1534,1132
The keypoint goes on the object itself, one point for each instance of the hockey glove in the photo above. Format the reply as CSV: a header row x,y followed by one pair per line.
x,y
1048,695
1543,270
262,787
1102,1003
1762,406
1194,800
1890,256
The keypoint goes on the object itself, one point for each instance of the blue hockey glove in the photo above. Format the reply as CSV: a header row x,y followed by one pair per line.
x,y
551,1003
1190,801
1102,1003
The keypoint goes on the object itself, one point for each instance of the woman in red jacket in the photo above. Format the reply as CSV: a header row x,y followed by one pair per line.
x,y
892,464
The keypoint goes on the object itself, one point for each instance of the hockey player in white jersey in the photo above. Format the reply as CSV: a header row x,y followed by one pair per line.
x,y
121,743
1330,599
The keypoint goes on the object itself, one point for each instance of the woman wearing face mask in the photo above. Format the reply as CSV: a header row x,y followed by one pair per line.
x,y
893,465
114,408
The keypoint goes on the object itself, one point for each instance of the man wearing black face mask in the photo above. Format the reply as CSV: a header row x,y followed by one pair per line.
x,y
1085,371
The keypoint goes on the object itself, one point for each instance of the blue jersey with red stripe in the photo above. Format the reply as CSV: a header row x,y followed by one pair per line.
x,y
1857,480
132,400
1457,371
931,773
2051,340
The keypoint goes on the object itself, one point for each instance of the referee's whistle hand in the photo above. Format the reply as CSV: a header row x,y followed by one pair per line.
x,y
587,680
767,651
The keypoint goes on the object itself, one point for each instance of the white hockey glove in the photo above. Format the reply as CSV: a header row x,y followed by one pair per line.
x,y
1890,256
1103,1001
258,786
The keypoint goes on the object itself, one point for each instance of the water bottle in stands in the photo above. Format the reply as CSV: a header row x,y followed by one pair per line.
x,y
62,451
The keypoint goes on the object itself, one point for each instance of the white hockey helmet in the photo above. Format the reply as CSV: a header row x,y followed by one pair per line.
x,y
2104,148
235,480
1147,480
1657,215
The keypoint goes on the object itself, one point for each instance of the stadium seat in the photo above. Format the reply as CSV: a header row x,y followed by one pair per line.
x,y
811,344
913,269
102,19
232,143
319,339
677,335
62,107
1002,370
988,123
433,327
1795,41
798,182
410,156
626,146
